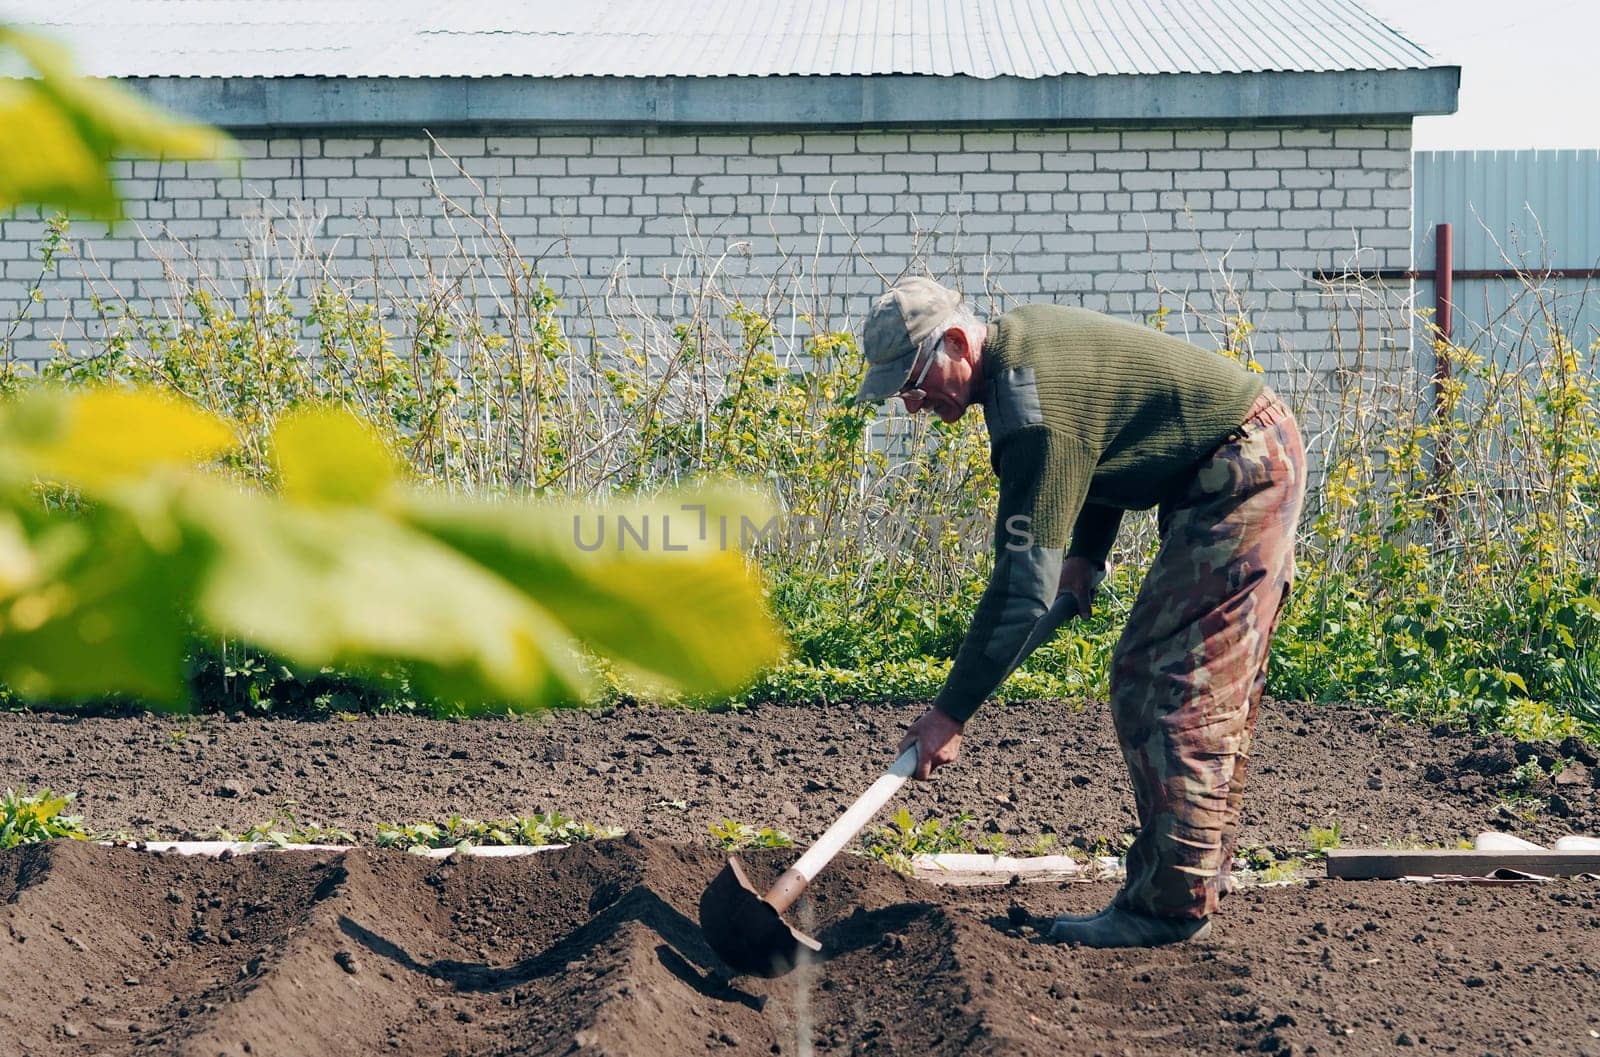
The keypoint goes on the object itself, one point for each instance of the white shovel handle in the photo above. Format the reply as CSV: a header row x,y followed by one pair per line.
x,y
860,813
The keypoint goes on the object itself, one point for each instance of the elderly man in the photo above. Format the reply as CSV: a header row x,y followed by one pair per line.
x,y
1089,416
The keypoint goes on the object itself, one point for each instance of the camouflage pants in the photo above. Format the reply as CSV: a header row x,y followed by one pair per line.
x,y
1187,674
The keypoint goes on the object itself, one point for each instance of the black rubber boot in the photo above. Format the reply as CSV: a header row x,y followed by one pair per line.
x,y
1074,919
1120,928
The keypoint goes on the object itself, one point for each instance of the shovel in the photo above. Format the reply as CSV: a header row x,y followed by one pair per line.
x,y
747,929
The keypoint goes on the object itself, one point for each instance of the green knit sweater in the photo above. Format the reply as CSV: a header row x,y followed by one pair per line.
x,y
1088,416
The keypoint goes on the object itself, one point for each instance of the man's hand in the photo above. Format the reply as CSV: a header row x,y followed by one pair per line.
x,y
1080,577
938,741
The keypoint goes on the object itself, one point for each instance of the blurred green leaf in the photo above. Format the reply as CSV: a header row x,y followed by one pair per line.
x,y
98,438
102,612
481,603
347,586
44,159
60,131
327,455
690,616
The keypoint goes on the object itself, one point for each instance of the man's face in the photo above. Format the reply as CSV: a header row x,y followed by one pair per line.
x,y
946,381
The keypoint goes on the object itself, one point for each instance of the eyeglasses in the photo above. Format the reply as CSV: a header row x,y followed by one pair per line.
x,y
914,389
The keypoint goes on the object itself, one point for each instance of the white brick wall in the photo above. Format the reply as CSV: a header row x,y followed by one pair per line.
x,y
1104,219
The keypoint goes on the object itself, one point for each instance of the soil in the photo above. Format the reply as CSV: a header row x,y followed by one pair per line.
x,y
1048,768
595,949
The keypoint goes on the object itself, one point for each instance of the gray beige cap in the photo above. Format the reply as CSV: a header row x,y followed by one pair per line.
x,y
897,325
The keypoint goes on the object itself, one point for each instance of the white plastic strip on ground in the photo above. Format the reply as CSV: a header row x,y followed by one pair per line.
x,y
214,848
945,869
1491,840
960,869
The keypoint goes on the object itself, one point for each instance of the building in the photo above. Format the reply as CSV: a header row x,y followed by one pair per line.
x,y
1121,156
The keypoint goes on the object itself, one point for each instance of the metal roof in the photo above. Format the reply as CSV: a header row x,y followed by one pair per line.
x,y
981,39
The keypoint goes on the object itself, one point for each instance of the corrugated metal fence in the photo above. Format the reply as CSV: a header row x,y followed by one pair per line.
x,y
1536,211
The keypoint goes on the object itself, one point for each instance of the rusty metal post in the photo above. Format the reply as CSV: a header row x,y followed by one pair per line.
x,y
1443,309
1443,276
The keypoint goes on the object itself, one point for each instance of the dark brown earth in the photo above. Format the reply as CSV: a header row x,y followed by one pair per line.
x,y
593,950
1052,767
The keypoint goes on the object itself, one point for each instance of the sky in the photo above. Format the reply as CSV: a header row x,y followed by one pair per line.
x,y
1530,70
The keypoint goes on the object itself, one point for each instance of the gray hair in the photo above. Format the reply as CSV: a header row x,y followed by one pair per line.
x,y
961,319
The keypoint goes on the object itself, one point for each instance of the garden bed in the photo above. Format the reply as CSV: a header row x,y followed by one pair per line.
x,y
594,948
1051,767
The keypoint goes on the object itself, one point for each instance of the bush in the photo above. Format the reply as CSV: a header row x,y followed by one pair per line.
x,y
1448,552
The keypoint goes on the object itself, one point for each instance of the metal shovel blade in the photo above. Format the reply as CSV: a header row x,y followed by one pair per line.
x,y
745,930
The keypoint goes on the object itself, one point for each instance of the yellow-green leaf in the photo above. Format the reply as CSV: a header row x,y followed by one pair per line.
x,y
60,131
44,810
351,587
327,455
17,563
660,586
104,612
44,159
96,439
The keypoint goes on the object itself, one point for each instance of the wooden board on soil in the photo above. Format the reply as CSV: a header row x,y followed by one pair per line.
x,y
1361,864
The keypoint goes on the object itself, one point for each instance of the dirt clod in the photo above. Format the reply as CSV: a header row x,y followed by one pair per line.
x,y
1575,748
1496,759
1574,775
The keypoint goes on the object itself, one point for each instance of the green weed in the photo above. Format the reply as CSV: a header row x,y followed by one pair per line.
x,y
26,818
1101,846
284,829
1528,776
735,836
904,838
458,831
1041,845
1257,859
992,844
1285,872
1321,839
